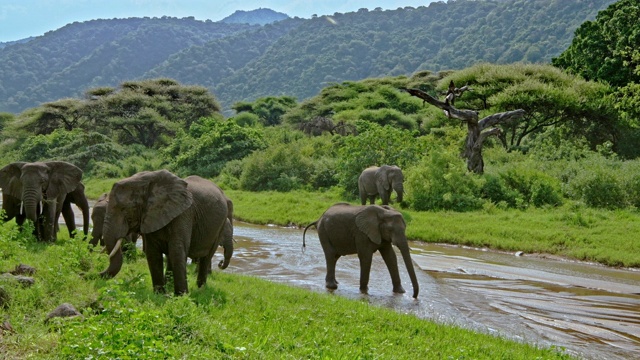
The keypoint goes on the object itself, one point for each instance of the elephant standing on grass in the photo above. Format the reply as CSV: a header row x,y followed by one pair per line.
x,y
178,218
37,191
345,229
380,181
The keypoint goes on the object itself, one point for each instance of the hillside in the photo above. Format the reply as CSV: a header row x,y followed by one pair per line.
x,y
295,57
255,17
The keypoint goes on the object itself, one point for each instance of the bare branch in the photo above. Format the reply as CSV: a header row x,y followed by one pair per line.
x,y
500,118
450,111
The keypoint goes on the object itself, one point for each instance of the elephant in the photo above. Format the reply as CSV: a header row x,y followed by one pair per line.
x,y
176,217
98,212
380,181
78,197
346,229
37,191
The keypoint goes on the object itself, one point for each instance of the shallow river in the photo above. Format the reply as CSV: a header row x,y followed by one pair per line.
x,y
589,310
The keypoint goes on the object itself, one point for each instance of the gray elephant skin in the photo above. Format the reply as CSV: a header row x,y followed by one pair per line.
x,y
40,192
380,181
176,217
345,229
98,213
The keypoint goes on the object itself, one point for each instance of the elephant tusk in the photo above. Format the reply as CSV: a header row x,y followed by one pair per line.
x,y
116,248
21,207
41,208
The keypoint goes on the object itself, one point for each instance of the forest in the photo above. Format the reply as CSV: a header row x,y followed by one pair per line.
x,y
294,57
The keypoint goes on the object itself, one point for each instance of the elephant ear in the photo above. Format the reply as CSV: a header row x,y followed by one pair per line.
x,y
64,177
382,177
10,179
367,221
167,197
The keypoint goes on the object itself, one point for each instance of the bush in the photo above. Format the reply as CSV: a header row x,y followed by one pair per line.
x,y
281,168
532,186
441,182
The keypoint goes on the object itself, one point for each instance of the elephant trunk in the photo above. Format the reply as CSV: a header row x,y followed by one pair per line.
x,y
115,264
399,189
30,200
406,256
112,236
227,245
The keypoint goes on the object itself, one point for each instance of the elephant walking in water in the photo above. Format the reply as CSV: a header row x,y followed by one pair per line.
x,y
177,218
380,181
40,192
345,229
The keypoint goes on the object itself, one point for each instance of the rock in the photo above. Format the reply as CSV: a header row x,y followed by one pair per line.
x,y
23,280
520,253
64,310
23,269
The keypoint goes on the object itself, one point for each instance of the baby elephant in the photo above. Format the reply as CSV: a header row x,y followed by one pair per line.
x,y
97,218
346,229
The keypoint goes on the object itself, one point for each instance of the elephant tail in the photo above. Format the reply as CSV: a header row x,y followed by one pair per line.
x,y
304,245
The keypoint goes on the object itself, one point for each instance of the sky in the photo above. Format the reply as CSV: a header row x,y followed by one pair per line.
x,y
20,19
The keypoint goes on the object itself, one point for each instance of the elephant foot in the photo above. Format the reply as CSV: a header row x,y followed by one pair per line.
x,y
364,289
331,285
159,289
399,289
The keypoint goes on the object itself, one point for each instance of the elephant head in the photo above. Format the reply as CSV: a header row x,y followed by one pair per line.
x,y
40,182
390,178
142,203
382,223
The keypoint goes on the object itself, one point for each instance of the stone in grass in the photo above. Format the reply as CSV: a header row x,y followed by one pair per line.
x,y
65,310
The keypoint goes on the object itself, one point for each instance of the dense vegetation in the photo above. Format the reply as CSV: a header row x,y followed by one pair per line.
x,y
294,57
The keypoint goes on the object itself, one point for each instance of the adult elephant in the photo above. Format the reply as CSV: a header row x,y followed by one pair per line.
x,y
380,181
37,191
345,229
177,218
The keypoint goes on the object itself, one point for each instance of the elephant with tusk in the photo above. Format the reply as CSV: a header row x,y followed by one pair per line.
x,y
176,217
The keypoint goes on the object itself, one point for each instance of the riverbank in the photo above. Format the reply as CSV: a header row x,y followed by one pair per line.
x,y
572,231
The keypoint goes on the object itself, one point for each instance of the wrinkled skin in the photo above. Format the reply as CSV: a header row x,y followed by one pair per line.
x,y
177,218
98,213
345,229
380,181
37,192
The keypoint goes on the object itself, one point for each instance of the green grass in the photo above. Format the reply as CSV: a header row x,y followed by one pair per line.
x,y
232,317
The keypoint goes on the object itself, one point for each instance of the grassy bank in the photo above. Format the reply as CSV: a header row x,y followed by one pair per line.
x,y
233,317
572,231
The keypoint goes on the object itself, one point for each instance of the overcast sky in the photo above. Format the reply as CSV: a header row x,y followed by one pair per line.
x,y
20,19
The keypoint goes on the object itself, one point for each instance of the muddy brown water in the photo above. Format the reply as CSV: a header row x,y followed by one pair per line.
x,y
587,310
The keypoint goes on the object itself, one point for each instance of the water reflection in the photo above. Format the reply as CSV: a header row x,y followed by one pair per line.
x,y
592,311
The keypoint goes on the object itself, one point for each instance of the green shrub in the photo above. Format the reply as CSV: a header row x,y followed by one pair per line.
x,y
533,186
603,190
281,168
441,182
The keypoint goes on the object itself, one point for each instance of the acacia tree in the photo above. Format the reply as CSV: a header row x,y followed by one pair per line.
x,y
477,130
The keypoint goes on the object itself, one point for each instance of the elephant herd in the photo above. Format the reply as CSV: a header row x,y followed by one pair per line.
x,y
191,217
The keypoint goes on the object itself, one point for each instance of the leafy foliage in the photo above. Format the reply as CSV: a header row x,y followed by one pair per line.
x,y
607,49
209,145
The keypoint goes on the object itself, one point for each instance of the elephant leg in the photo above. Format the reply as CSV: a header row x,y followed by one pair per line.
x,y
331,258
178,258
365,268
204,268
69,218
372,200
391,260
156,264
